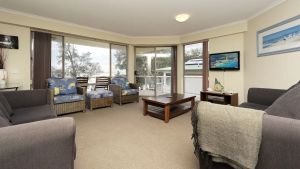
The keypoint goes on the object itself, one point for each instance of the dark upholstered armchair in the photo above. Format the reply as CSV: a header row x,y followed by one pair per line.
x,y
124,92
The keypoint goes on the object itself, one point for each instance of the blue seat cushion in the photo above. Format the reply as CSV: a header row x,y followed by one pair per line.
x,y
62,86
130,91
99,93
68,98
121,81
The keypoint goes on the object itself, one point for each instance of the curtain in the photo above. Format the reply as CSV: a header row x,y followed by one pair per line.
x,y
205,68
41,59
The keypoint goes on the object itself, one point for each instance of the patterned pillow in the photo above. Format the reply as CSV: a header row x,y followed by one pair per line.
x,y
62,86
56,91
68,86
121,81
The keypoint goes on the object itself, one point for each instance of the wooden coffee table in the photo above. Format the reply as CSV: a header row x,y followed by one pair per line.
x,y
168,106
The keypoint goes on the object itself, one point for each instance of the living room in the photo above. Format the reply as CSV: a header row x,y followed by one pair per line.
x,y
151,50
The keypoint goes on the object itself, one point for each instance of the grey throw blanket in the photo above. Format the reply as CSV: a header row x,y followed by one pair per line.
x,y
230,134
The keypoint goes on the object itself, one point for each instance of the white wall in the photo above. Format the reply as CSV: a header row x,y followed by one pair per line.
x,y
275,71
18,60
232,80
131,61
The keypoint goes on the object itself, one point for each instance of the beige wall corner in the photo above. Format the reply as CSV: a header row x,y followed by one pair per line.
x,y
33,21
232,80
154,40
18,60
131,63
228,29
275,71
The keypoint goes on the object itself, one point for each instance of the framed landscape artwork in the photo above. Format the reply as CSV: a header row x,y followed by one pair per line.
x,y
280,38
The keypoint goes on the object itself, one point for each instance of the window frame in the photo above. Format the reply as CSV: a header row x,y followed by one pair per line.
x,y
90,39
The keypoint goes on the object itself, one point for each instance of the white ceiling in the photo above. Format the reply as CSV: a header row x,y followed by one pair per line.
x,y
141,17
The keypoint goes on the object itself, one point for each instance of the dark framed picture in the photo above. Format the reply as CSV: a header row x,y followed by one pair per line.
x,y
10,42
280,38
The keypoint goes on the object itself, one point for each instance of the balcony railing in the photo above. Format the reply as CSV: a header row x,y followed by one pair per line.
x,y
148,85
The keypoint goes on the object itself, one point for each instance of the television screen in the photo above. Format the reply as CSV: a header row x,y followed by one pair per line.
x,y
225,61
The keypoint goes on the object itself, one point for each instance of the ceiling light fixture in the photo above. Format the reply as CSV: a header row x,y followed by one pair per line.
x,y
182,17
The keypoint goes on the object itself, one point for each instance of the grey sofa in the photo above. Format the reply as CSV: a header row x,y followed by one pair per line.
x,y
31,137
280,144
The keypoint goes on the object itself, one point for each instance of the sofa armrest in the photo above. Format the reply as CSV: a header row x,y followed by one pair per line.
x,y
26,98
264,96
43,145
116,89
280,144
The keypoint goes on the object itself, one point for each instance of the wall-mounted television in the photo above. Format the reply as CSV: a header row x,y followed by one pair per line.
x,y
224,61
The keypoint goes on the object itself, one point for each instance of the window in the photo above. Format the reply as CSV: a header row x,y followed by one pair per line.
x,y
119,60
86,58
193,60
56,56
193,69
74,57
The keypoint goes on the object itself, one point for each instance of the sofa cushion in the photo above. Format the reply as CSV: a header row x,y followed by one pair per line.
x,y
67,98
6,105
253,106
62,86
287,105
121,81
31,114
4,122
130,91
99,93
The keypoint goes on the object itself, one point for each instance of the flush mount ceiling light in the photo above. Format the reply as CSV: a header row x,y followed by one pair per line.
x,y
182,17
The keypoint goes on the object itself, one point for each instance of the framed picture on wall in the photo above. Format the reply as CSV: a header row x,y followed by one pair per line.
x,y
280,38
10,42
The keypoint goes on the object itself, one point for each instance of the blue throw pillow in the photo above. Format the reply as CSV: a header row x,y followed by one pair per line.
x,y
68,86
62,86
121,81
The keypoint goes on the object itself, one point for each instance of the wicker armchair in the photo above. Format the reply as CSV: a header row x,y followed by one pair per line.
x,y
124,92
102,82
82,81
63,101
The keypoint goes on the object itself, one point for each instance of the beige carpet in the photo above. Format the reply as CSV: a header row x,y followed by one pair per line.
x,y
122,138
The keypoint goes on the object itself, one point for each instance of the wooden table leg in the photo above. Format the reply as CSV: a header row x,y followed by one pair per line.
x,y
167,113
145,108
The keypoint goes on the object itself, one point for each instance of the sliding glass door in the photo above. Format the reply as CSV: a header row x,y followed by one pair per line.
x,y
153,70
145,70
193,69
